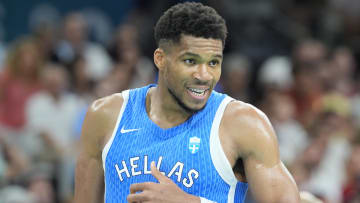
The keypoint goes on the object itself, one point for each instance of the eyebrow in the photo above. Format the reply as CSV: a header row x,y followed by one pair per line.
x,y
198,56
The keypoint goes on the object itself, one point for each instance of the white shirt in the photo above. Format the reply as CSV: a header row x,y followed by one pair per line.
x,y
57,118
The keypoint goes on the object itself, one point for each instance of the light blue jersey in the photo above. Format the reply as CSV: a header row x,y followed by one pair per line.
x,y
190,154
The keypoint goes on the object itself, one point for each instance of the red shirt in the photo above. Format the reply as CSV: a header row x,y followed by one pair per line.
x,y
14,93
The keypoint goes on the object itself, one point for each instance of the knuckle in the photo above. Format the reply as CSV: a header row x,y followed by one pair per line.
x,y
149,185
133,188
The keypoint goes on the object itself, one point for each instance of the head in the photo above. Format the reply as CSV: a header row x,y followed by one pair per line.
x,y
125,47
46,35
75,29
309,51
190,38
24,58
236,75
54,78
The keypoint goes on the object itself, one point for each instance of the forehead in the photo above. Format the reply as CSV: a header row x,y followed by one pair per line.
x,y
198,45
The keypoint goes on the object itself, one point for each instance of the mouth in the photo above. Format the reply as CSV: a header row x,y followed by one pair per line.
x,y
198,93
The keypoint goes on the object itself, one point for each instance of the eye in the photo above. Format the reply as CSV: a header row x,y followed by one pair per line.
x,y
189,61
213,63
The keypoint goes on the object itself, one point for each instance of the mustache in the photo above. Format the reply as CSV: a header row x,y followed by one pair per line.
x,y
210,84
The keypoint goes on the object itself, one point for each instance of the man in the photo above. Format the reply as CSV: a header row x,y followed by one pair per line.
x,y
205,145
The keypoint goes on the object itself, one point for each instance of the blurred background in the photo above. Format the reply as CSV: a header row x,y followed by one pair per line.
x,y
297,60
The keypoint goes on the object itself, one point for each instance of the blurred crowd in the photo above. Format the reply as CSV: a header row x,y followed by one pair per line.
x,y
297,60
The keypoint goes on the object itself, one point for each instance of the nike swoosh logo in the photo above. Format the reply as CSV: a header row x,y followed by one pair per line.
x,y
128,130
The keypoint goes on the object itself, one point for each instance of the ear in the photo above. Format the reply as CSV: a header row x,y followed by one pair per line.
x,y
159,58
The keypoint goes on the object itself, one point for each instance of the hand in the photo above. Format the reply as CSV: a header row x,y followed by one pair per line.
x,y
164,191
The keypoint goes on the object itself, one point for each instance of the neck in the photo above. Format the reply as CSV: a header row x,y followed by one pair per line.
x,y
56,96
163,109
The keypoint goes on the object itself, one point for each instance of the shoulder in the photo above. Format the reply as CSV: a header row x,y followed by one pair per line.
x,y
103,105
248,128
241,113
104,111
100,120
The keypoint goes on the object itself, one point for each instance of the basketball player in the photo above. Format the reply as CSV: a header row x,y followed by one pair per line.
x,y
179,141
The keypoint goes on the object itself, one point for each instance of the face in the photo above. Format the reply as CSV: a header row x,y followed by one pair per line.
x,y
189,71
75,29
28,59
55,80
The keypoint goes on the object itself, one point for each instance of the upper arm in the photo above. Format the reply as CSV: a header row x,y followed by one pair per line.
x,y
256,144
98,126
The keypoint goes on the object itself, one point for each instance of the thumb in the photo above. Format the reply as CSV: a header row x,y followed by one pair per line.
x,y
157,174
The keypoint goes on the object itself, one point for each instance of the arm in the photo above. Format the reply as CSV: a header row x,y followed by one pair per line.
x,y
98,125
254,141
17,162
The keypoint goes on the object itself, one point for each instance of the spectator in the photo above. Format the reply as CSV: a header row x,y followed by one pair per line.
x,y
276,73
351,191
47,37
75,42
40,185
52,114
131,68
324,157
80,83
13,163
236,76
292,137
307,87
18,82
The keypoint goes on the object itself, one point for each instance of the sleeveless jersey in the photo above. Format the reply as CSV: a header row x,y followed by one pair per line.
x,y
190,154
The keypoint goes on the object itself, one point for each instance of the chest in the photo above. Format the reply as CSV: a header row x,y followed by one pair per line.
x,y
181,156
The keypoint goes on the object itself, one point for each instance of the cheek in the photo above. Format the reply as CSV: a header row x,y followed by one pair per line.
x,y
171,76
174,72
217,74
169,73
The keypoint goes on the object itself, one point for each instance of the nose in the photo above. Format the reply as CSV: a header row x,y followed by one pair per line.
x,y
202,73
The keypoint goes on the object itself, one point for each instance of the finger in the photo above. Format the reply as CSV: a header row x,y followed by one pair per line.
x,y
157,174
138,197
139,187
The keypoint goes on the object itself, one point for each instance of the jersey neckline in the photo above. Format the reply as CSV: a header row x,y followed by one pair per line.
x,y
172,131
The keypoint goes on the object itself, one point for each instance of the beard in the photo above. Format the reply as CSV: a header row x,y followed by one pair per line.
x,y
183,105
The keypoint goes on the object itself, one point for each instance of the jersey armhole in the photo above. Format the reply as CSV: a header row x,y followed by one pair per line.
x,y
219,159
125,95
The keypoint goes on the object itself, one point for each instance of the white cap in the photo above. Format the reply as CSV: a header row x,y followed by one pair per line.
x,y
277,71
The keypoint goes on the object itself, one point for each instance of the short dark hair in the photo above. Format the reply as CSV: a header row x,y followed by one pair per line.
x,y
190,18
